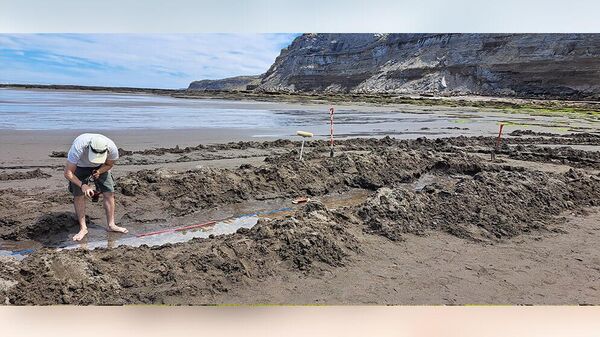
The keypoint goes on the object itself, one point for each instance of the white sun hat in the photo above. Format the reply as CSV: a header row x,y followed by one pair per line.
x,y
98,150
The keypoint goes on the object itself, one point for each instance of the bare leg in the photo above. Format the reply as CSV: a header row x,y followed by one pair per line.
x,y
79,202
109,208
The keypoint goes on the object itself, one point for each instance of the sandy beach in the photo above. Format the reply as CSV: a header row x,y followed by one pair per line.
x,y
410,210
390,221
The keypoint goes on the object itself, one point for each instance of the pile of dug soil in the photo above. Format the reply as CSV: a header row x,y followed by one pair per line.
x,y
37,173
488,205
49,229
311,241
8,274
361,163
562,155
471,198
58,154
280,177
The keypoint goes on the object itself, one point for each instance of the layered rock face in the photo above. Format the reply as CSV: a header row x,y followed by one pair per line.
x,y
237,83
522,65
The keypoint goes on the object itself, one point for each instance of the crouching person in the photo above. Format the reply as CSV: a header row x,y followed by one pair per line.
x,y
92,156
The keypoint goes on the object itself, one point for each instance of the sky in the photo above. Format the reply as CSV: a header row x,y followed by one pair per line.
x,y
135,60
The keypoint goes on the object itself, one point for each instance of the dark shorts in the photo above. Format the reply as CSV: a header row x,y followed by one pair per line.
x,y
104,183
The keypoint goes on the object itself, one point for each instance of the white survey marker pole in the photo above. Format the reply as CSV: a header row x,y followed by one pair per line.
x,y
304,135
331,112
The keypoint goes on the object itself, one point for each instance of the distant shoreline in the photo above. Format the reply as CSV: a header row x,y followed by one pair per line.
x,y
517,103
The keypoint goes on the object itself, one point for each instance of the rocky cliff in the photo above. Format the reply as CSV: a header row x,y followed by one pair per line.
x,y
237,83
523,65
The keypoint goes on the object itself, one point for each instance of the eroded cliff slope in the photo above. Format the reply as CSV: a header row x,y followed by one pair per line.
x,y
522,65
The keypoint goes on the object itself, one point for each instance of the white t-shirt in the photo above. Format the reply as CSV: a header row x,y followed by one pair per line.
x,y
78,153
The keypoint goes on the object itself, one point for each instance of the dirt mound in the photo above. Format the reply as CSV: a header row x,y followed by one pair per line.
x,y
49,229
58,154
467,197
37,173
9,229
305,247
488,205
210,148
161,151
8,274
519,133
248,149
520,149
281,177
474,144
361,162
562,155
311,241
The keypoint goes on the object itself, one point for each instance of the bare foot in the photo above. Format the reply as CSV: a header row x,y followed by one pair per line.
x,y
118,229
80,235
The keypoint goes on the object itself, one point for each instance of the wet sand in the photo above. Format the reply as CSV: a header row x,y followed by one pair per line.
x,y
421,218
27,147
138,121
545,268
432,218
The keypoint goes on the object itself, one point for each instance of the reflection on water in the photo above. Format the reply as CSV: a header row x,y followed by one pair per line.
x,y
219,228
231,225
59,110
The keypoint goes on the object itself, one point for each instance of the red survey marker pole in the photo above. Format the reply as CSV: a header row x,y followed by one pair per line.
x,y
331,111
497,147
499,136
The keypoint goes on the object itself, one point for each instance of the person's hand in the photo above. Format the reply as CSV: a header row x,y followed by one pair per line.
x,y
87,190
96,174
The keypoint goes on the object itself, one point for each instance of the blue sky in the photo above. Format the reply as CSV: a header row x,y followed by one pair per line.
x,y
137,60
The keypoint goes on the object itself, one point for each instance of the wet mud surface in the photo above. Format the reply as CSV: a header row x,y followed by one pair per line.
x,y
37,173
485,206
445,190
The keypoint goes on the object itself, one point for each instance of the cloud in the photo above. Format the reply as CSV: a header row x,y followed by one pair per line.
x,y
140,60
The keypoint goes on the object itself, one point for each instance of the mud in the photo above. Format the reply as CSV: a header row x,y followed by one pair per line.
x,y
487,205
281,177
49,229
58,154
37,173
249,149
561,155
518,133
8,274
311,241
419,187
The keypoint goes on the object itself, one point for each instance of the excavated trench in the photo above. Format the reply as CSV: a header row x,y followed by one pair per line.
x,y
406,188
55,230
